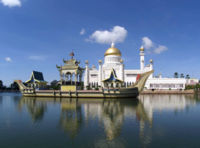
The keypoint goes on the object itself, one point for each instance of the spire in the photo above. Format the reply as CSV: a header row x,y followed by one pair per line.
x,y
112,45
71,54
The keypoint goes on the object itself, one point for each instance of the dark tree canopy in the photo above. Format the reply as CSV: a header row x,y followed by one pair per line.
x,y
176,75
182,75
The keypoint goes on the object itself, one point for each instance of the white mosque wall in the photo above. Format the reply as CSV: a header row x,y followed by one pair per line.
x,y
93,76
165,83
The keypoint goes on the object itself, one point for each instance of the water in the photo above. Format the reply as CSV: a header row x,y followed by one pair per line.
x,y
153,121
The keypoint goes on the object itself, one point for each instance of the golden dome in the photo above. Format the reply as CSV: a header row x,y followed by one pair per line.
x,y
141,48
112,51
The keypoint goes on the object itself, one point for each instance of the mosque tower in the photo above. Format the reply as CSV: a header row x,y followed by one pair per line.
x,y
151,68
142,58
113,60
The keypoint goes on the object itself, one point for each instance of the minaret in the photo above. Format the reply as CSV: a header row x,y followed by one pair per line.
x,y
121,69
100,73
142,58
86,79
151,68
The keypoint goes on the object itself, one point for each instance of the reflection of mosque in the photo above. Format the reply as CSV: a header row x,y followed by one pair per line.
x,y
110,113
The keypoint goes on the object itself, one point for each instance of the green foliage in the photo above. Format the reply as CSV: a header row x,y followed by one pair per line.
x,y
54,85
1,84
197,86
187,87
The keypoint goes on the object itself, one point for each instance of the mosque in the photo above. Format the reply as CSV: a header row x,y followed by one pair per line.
x,y
112,70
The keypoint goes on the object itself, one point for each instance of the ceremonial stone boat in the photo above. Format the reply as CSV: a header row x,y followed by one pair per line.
x,y
130,92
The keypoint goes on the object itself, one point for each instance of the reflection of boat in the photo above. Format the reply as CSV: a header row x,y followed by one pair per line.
x,y
109,120
75,113
70,118
129,92
35,108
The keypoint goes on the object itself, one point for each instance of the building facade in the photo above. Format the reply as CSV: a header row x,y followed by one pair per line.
x,y
113,62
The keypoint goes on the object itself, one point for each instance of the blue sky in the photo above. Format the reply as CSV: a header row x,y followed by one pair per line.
x,y
38,34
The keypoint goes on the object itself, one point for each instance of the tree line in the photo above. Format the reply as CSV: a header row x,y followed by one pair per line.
x,y
13,87
177,75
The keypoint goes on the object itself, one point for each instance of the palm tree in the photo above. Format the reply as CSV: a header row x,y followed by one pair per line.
x,y
176,75
187,76
182,75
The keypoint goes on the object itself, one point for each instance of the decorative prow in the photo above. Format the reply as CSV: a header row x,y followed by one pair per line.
x,y
22,87
141,80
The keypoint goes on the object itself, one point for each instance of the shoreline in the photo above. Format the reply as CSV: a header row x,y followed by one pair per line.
x,y
9,91
168,92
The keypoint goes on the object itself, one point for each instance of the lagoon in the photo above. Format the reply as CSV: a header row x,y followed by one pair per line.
x,y
152,121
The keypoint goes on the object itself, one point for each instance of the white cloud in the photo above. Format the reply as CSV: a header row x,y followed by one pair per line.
x,y
160,49
117,35
11,3
152,47
8,59
147,43
37,58
82,32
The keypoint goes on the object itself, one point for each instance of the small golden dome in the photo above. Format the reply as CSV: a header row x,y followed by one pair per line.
x,y
100,61
141,48
86,62
112,51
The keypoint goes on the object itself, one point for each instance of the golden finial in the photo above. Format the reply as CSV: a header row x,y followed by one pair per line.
x,y
86,62
141,48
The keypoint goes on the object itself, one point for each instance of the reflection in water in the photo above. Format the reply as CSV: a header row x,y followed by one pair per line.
x,y
151,103
75,114
16,99
165,102
1,100
34,107
111,114
71,118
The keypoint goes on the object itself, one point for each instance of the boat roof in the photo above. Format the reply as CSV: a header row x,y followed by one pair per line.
x,y
112,77
36,76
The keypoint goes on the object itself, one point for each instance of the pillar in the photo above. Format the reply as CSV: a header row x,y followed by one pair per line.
x,y
151,68
61,77
100,73
86,77
142,58
121,70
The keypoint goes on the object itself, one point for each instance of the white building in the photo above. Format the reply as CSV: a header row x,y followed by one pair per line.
x,y
113,68
192,81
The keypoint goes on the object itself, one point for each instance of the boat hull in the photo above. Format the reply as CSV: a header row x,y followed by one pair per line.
x,y
131,93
